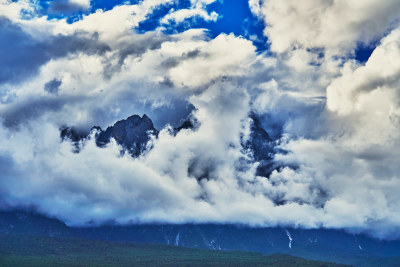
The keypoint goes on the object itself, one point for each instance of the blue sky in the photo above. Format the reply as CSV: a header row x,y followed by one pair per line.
x,y
234,17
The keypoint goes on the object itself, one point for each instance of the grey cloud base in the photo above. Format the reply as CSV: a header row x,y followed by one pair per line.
x,y
23,55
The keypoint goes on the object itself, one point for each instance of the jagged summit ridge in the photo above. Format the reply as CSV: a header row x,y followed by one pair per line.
x,y
261,145
134,133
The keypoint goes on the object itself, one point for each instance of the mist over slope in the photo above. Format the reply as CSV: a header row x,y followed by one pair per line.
x,y
19,228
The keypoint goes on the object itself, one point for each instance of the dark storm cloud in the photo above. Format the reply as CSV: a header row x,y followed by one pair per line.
x,y
53,105
148,41
52,86
192,54
21,55
170,63
33,108
175,61
143,43
167,82
18,52
64,6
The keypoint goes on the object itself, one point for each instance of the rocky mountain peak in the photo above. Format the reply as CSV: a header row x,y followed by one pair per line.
x,y
261,145
132,133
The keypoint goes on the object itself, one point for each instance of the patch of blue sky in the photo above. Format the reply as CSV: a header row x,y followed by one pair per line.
x,y
108,4
237,18
363,52
153,20
319,52
234,17
59,10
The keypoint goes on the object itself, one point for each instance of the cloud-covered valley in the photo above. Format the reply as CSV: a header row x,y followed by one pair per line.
x,y
334,119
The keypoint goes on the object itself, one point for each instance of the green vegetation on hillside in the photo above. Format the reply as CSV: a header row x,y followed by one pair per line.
x,y
23,250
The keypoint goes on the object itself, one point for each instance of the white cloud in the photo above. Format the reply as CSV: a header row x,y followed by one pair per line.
x,y
255,7
12,10
181,15
334,25
82,3
215,59
341,161
197,10
355,160
202,3
349,93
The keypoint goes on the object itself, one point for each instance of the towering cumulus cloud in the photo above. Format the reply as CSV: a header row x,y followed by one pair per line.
x,y
334,118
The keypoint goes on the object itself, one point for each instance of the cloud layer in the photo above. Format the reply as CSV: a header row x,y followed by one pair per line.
x,y
335,120
332,25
